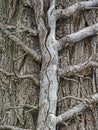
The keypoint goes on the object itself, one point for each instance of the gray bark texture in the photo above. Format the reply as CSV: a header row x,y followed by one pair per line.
x,y
48,65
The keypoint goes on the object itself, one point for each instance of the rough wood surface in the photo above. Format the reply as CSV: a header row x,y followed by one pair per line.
x,y
38,43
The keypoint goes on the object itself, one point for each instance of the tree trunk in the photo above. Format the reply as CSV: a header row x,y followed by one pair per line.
x,y
24,101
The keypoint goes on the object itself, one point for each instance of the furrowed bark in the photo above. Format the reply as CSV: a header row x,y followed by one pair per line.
x,y
21,77
75,69
78,36
23,28
48,82
8,127
66,13
32,52
77,109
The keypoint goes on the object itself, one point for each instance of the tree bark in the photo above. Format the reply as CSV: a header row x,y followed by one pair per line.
x,y
48,68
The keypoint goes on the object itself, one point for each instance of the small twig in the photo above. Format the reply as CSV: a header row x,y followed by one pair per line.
x,y
19,117
75,98
20,57
26,76
29,110
32,52
78,118
88,102
6,73
70,79
34,79
79,75
72,97
26,106
9,27
65,124
31,31
23,28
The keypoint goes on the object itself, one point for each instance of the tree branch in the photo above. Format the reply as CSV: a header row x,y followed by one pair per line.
x,y
34,54
8,127
80,35
6,73
27,29
70,97
66,13
77,109
75,98
22,28
67,72
20,57
26,106
72,70
35,80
